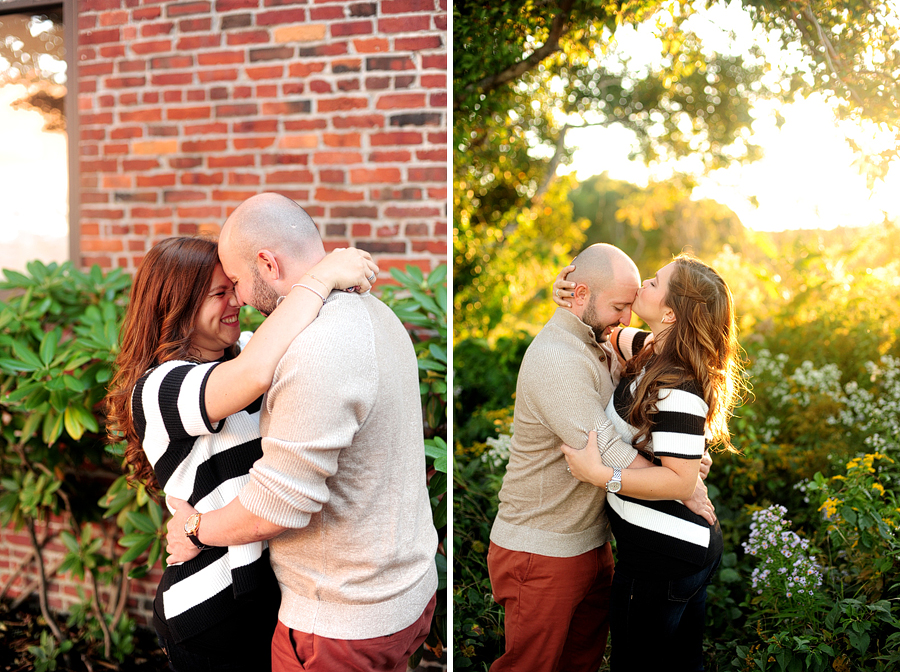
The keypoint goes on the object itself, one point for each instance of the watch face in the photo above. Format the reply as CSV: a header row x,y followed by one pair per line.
x,y
614,486
191,524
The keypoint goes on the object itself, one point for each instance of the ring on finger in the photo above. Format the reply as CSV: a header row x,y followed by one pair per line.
x,y
371,277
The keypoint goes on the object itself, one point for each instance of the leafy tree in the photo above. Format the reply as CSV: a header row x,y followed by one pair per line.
x,y
527,72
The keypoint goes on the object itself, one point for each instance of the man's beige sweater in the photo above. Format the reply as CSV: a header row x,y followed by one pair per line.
x,y
564,384
344,466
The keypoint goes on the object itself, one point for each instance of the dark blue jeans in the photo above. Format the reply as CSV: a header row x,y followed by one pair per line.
x,y
657,624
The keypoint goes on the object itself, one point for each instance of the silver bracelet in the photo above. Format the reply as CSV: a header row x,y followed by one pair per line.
x,y
317,293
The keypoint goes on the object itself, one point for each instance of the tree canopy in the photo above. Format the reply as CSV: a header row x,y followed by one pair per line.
x,y
525,73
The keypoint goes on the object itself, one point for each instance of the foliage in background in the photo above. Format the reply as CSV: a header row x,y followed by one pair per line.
x,y
59,336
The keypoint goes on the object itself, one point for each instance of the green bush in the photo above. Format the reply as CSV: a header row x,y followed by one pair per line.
x,y
59,336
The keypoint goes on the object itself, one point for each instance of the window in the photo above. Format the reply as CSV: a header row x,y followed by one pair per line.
x,y
34,152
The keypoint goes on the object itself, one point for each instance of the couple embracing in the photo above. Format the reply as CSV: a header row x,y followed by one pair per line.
x,y
610,432
293,462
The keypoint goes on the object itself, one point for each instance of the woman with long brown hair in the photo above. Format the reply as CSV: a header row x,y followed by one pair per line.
x,y
676,395
185,398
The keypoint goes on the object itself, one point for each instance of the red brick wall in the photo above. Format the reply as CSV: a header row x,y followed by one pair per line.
x,y
188,108
62,592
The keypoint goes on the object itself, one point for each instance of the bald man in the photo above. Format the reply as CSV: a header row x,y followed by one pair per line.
x,y
340,490
549,560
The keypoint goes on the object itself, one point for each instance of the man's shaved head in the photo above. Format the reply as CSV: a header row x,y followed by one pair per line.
x,y
612,280
600,266
274,222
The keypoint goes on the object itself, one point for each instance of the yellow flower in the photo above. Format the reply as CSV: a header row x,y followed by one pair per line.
x,y
879,487
839,477
830,506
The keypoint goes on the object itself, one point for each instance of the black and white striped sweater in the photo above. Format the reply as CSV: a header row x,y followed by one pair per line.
x,y
207,466
662,538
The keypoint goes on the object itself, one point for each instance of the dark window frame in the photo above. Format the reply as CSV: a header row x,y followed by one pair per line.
x,y
70,22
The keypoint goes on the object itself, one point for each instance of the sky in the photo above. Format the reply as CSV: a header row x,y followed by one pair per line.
x,y
807,177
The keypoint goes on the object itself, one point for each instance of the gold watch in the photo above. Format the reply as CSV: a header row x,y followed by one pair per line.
x,y
192,528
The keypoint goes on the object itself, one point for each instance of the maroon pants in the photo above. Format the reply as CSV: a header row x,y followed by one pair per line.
x,y
293,650
557,609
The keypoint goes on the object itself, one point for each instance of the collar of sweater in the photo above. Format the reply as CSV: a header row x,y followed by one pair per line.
x,y
567,321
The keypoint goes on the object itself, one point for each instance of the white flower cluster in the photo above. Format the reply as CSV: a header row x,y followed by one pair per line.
x,y
876,414
498,453
786,568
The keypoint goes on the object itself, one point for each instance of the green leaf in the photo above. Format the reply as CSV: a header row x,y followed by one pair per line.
x,y
74,427
142,522
69,541
136,550
48,346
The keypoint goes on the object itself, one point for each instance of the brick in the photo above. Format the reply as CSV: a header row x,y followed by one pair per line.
x,y
320,86
348,85
434,62
363,9
395,138
116,148
332,230
237,21
231,5
96,69
172,79
233,195
433,81
352,28
202,24
330,49
326,13
243,178
438,155
155,147
346,65
361,121
131,66
378,83
406,24
99,36
256,126
436,174
332,176
342,139
116,18
231,161
146,13
327,194
417,119
124,82
155,29
248,37
416,230
156,180
389,157
152,47
418,212
438,99
279,17
382,248
220,58
339,104
390,63
138,165
331,158
371,45
307,141
204,146
363,211
184,8
361,230
244,110
206,211
162,131
305,69
205,129
418,43
405,194
266,72
151,213
201,178
388,231
102,245
300,33
304,124
406,6
104,118
254,143
145,197
271,54
183,196
224,75
289,176
374,175
193,42
287,107
185,162
392,101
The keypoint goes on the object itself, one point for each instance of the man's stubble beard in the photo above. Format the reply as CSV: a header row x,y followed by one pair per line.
x,y
264,298
589,317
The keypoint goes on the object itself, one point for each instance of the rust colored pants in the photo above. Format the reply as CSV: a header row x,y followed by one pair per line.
x,y
293,650
557,609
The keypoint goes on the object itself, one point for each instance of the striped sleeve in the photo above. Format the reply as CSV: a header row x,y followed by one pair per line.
x,y
169,407
678,425
630,341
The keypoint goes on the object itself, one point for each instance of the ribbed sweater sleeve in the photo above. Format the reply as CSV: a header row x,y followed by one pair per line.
x,y
321,396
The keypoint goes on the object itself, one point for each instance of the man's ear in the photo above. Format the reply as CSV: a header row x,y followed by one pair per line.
x,y
267,265
581,294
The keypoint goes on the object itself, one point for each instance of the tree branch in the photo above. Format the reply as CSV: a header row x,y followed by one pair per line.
x,y
550,46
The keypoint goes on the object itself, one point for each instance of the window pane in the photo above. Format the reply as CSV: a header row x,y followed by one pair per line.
x,y
33,160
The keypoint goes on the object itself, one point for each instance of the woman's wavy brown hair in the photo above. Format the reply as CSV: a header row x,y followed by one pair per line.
x,y
168,290
701,345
